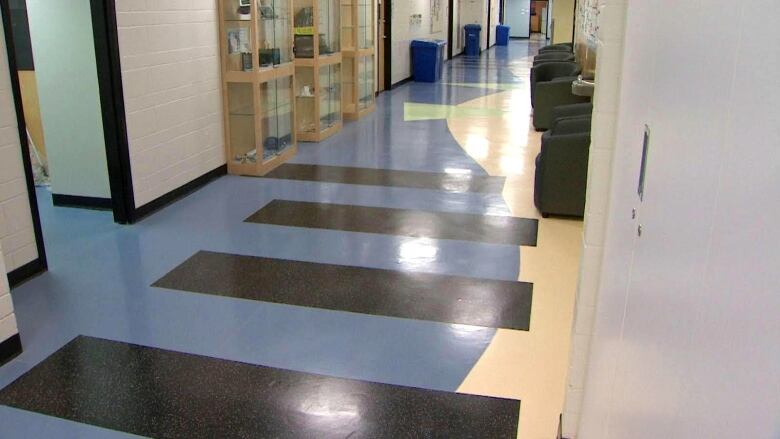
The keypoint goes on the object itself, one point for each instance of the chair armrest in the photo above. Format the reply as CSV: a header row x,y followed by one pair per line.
x,y
549,95
584,109
571,125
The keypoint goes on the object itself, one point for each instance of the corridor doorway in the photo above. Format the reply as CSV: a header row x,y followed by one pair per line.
x,y
63,63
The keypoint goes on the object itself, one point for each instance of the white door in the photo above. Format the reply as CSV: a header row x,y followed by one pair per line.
x,y
518,17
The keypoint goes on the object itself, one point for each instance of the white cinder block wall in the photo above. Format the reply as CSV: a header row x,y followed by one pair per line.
x,y
171,74
7,318
16,227
611,30
404,31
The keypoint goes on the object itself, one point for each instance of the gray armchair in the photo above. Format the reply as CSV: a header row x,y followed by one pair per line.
x,y
550,93
572,110
566,47
554,56
562,167
549,71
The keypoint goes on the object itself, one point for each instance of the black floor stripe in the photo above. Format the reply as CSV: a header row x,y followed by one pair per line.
x,y
456,182
165,394
438,225
422,296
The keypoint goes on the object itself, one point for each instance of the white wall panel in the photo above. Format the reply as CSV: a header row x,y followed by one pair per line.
x,y
686,331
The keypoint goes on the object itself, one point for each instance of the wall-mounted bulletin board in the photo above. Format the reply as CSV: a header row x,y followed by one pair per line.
x,y
586,30
436,11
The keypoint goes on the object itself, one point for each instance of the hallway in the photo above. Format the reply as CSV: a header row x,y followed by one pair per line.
x,y
395,276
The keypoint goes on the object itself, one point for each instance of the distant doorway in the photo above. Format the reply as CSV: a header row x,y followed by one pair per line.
x,y
380,38
63,60
517,16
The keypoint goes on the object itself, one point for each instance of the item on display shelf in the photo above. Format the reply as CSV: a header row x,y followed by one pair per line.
x,y
269,57
304,46
249,157
304,17
246,61
244,10
267,12
238,40
329,120
324,46
306,91
274,145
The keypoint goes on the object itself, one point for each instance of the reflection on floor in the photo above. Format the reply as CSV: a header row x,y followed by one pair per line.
x,y
426,334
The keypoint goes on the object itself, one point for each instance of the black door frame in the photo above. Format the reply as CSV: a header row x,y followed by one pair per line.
x,y
388,6
40,264
450,25
112,102
114,125
487,31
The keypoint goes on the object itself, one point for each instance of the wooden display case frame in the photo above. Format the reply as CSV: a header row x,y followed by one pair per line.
x,y
350,108
315,63
257,76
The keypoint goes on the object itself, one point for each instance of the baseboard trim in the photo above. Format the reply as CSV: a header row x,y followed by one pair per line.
x,y
82,202
10,349
402,82
26,272
158,203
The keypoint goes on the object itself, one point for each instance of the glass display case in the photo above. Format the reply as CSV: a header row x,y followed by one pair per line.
x,y
349,89
305,100
330,96
317,47
318,101
357,33
276,116
347,25
320,19
236,35
329,27
365,24
274,45
241,120
365,82
258,84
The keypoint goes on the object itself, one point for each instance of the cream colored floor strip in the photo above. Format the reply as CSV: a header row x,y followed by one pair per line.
x,y
530,366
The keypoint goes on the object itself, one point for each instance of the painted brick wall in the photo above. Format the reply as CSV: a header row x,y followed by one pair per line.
x,y
16,228
7,318
171,73
404,31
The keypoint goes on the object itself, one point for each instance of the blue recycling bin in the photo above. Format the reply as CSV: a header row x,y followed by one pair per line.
x,y
472,39
502,35
427,59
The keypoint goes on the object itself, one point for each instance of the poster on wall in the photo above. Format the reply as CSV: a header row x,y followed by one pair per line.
x,y
435,16
587,29
588,20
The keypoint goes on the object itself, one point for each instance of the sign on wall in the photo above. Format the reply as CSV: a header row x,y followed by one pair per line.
x,y
586,35
435,16
587,20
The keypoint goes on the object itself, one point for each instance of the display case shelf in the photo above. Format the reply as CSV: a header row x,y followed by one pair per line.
x,y
317,43
258,84
357,34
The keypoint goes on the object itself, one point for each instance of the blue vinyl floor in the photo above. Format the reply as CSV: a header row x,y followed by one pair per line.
x,y
100,275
